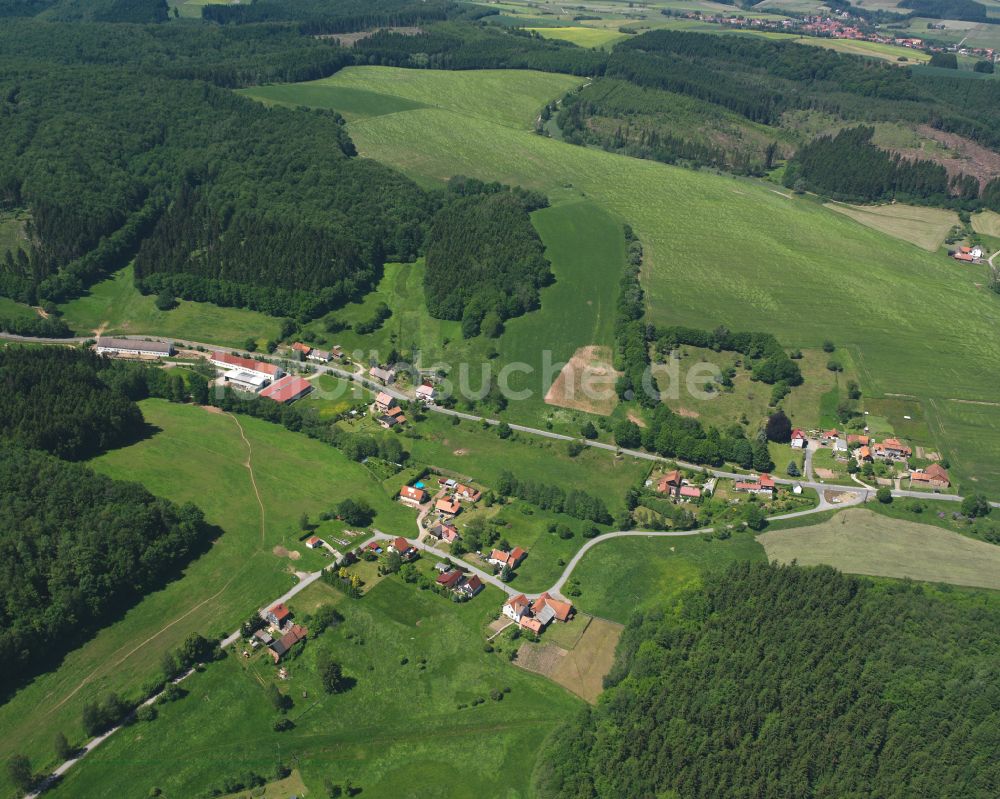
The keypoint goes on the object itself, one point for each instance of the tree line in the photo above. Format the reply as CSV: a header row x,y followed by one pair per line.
x,y
575,503
781,681
631,342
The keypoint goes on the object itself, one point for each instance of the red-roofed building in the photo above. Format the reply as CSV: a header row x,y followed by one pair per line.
x,y
512,559
892,449
799,440
689,492
863,454
223,360
830,435
467,493
669,482
563,610
314,542
411,496
445,532
287,389
934,476
405,549
762,485
305,349
515,607
383,402
278,615
295,634
449,579
854,438
471,586
448,507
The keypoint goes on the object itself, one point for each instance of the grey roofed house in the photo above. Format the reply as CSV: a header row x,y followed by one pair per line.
x,y
263,636
442,567
134,346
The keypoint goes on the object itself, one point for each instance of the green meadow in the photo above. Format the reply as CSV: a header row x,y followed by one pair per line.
x,y
623,575
193,455
407,727
724,250
115,306
582,36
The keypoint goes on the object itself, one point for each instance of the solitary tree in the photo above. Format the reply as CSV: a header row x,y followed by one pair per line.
x,y
975,505
884,495
588,431
779,428
62,747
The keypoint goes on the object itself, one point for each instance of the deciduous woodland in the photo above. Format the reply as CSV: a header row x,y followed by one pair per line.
x,y
788,682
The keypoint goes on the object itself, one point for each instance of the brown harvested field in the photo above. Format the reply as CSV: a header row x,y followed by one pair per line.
x,y
586,382
987,223
581,667
859,541
925,227
351,39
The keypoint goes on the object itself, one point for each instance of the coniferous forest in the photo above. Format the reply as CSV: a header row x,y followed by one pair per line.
x,y
791,683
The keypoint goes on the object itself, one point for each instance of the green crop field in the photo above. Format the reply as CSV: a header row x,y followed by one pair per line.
x,y
924,227
582,36
861,542
115,306
415,658
350,103
724,250
198,456
620,576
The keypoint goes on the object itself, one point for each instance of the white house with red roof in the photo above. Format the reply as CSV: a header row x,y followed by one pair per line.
x,y
448,507
799,439
229,363
383,402
512,559
287,389
538,615
412,496
405,549
762,485
278,615
892,449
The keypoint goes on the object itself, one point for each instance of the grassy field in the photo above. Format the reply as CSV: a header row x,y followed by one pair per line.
x,y
858,541
415,657
723,250
115,306
987,222
193,455
9,309
582,36
628,574
924,227
488,93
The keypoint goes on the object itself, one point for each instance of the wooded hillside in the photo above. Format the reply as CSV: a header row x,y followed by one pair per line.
x,y
777,681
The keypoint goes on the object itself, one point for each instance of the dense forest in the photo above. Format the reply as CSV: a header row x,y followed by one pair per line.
x,y
54,399
75,548
947,9
485,261
848,166
777,681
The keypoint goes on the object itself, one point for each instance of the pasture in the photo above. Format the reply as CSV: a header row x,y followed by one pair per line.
x,y
582,36
9,309
193,455
859,541
987,223
623,575
115,306
923,227
417,663
725,250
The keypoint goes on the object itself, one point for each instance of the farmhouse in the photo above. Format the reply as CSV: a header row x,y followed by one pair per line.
x,y
799,440
279,648
383,402
449,579
537,616
411,496
863,454
829,435
278,615
467,493
854,438
406,550
383,376
387,422
687,493
892,449
512,559
129,346
320,355
228,363
472,586
670,482
305,349
287,389
314,542
448,507
763,485
934,476
425,392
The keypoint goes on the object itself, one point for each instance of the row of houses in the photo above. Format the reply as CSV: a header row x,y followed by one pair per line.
x,y
389,414
891,449
537,615
318,355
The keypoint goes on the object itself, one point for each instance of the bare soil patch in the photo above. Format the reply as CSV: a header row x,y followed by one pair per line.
x,y
969,157
687,412
580,669
826,474
636,419
586,382
460,452
350,39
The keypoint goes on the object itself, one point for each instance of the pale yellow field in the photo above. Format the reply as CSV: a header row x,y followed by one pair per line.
x,y
987,223
924,227
582,36
859,541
